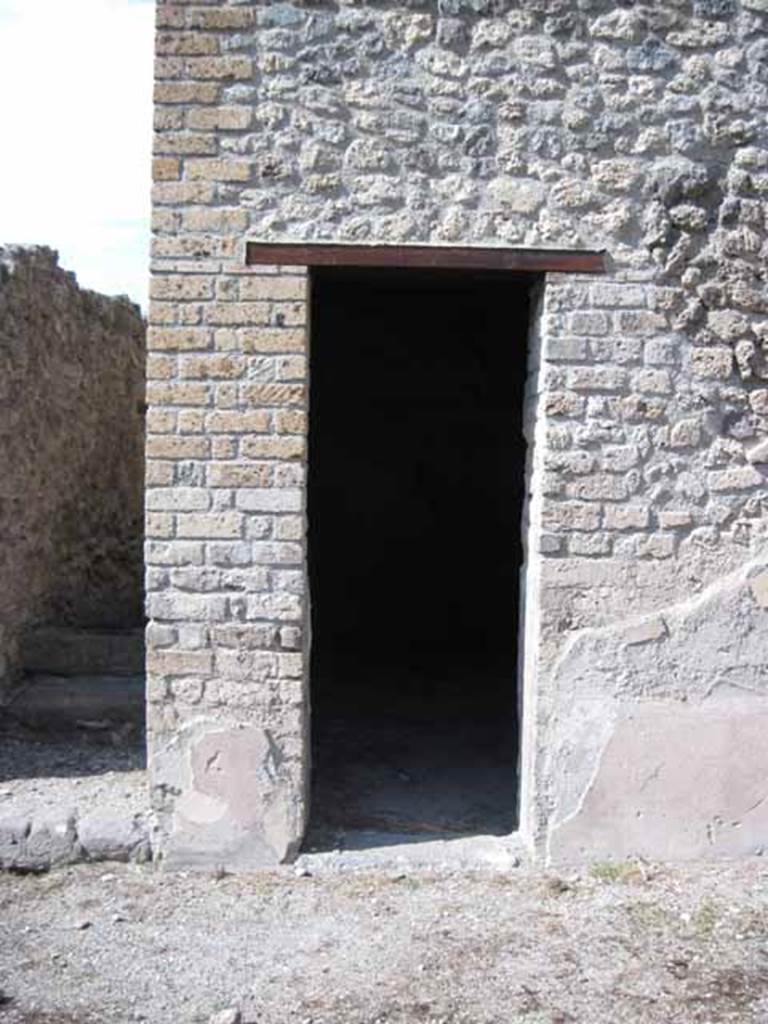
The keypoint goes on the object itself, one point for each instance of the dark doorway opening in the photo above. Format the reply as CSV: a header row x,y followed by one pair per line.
x,y
416,489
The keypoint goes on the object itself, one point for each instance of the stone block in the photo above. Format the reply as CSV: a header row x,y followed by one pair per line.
x,y
105,836
51,840
14,829
714,363
210,525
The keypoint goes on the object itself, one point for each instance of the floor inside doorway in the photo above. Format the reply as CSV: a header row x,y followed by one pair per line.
x,y
406,771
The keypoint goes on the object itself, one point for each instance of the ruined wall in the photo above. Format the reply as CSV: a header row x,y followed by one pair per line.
x,y
638,128
71,429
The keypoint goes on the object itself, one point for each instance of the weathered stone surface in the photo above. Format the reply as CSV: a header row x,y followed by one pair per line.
x,y
70,652
104,836
14,829
229,1016
71,489
41,838
56,703
50,841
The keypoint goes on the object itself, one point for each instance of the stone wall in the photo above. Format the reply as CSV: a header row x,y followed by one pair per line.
x,y
71,426
639,129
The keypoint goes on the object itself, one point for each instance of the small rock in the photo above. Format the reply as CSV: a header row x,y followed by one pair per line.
x,y
558,885
302,872
81,924
230,1016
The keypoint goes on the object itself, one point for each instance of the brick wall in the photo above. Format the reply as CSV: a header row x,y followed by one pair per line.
x,y
640,130
72,426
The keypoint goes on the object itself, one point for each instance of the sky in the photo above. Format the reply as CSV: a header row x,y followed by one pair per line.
x,y
76,122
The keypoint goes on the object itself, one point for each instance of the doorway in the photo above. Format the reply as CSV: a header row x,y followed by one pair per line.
x,y
417,480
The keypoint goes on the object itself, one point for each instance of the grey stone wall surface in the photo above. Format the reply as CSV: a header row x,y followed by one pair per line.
x,y
635,128
71,431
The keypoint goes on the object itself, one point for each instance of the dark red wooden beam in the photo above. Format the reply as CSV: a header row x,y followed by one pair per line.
x,y
427,256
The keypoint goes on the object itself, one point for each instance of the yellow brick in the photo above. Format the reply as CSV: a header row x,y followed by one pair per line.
x,y
186,92
177,447
272,447
168,119
161,421
168,67
290,314
167,16
158,524
213,525
272,339
229,67
183,192
215,219
273,394
230,313
188,663
194,246
273,287
221,367
218,169
165,393
190,314
227,396
158,473
223,448
289,528
160,367
192,421
219,18
292,368
165,168
162,312
235,422
184,143
290,421
191,43
178,338
226,339
182,286
227,288
164,220
222,118
227,474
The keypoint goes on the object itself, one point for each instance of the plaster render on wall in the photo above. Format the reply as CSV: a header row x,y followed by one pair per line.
x,y
658,740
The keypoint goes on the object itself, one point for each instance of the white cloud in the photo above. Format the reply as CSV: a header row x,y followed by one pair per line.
x,y
76,122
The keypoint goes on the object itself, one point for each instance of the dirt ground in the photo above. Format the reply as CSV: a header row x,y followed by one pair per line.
x,y
125,943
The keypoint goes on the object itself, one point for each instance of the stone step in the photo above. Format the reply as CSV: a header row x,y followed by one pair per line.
x,y
59,651
64,703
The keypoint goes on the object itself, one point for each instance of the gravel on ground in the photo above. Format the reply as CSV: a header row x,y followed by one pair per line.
x,y
64,800
647,944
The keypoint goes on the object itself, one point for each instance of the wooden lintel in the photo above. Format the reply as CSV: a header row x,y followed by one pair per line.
x,y
426,256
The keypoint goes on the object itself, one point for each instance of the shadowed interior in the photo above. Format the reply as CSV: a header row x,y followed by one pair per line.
x,y
416,488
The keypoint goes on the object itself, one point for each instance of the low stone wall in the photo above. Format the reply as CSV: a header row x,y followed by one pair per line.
x,y
71,436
